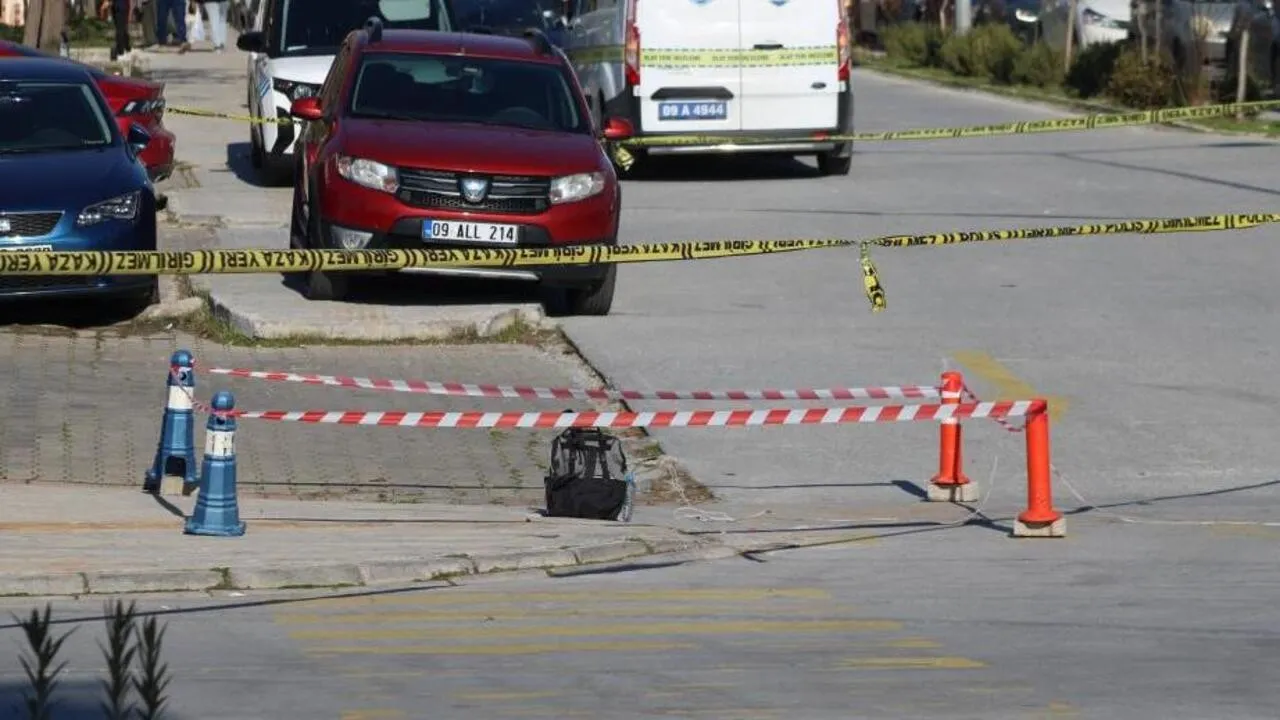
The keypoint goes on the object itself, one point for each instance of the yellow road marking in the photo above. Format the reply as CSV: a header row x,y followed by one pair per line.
x,y
736,713
906,663
453,597
1058,709
609,609
541,711
1008,386
914,643
814,643
507,696
509,649
729,627
372,714
1262,532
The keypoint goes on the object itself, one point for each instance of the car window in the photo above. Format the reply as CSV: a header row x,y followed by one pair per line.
x,y
449,88
508,13
318,27
46,116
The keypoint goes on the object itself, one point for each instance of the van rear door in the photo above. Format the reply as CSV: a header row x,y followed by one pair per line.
x,y
790,78
690,81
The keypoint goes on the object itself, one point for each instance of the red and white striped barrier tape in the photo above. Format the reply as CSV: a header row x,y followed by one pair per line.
x,y
970,396
667,418
903,392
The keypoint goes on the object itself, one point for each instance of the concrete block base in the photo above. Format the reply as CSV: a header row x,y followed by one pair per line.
x,y
1055,529
171,485
966,493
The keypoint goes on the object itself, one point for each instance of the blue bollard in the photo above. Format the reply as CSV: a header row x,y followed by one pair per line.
x,y
217,511
177,428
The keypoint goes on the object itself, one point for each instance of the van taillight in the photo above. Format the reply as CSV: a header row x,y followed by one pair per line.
x,y
842,43
631,56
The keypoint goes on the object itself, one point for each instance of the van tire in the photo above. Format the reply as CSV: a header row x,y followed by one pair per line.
x,y
832,164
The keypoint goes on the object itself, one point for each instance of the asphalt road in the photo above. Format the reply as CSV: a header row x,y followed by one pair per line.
x,y
1104,626
1158,352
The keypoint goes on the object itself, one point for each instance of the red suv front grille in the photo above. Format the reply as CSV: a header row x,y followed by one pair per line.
x,y
507,193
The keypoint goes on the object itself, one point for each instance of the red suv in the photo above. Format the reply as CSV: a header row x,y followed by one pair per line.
x,y
434,139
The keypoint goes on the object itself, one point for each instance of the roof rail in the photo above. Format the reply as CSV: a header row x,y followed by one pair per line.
x,y
374,27
539,40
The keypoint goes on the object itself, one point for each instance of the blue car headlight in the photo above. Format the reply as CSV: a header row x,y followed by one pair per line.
x,y
122,207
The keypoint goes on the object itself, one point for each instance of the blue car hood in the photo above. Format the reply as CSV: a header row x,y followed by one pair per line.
x,y
66,180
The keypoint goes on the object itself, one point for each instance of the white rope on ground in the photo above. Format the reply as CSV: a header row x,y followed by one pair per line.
x,y
1091,507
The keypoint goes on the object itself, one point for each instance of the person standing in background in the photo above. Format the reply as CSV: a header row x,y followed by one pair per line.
x,y
167,10
144,13
118,10
217,12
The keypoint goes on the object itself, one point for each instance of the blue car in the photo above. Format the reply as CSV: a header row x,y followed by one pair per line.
x,y
68,180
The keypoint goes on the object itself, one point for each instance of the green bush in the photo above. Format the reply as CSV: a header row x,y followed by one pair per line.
x,y
1146,85
1091,69
1225,92
90,31
988,51
1039,66
916,44
132,656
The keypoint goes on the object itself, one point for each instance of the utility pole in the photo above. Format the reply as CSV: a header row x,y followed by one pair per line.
x,y
44,22
964,16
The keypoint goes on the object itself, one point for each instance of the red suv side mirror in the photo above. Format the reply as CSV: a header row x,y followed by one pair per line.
x,y
307,108
616,128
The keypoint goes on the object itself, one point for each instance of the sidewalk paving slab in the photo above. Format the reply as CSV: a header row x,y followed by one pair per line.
x,y
61,540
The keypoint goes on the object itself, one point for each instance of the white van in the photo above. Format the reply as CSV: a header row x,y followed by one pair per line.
x,y
770,70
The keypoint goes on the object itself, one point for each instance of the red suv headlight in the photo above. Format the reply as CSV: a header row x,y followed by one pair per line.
x,y
368,173
572,188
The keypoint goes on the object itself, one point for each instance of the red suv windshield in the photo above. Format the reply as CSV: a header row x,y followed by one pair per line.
x,y
453,89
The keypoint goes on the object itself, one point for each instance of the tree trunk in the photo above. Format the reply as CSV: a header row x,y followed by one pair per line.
x,y
1071,35
45,21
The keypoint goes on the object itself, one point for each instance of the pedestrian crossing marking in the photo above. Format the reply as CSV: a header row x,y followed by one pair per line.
x,y
605,609
450,596
904,663
728,627
504,649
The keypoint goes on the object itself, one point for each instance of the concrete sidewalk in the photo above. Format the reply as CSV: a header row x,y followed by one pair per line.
x,y
61,540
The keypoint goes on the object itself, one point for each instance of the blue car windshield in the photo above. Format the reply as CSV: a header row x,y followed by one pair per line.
x,y
453,89
50,116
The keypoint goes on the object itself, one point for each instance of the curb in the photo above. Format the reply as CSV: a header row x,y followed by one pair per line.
x,y
224,304
346,575
1079,106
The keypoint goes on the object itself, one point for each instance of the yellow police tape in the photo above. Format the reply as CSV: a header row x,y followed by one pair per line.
x,y
625,159
682,58
193,262
1089,122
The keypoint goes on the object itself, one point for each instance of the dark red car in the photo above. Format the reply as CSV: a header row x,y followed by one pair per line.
x,y
133,100
432,139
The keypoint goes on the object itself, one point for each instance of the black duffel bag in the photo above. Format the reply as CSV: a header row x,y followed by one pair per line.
x,y
588,477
